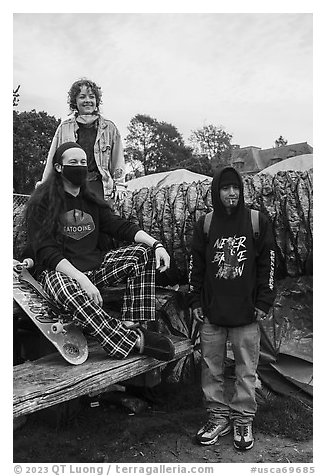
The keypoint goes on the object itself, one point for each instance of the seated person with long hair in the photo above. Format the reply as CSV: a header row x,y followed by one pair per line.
x,y
64,220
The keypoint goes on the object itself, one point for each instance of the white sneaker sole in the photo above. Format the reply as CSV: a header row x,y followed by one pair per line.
x,y
226,431
243,449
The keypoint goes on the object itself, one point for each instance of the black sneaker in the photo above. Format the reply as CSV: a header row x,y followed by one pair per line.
x,y
156,345
242,436
212,430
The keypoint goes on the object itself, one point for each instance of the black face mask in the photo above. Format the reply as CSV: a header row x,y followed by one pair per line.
x,y
76,174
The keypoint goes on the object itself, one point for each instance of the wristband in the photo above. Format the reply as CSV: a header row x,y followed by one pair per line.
x,y
157,244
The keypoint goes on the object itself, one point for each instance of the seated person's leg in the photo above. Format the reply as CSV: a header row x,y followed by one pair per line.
x,y
115,338
135,266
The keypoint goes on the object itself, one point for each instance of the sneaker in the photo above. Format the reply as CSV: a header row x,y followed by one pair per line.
x,y
156,345
210,432
242,436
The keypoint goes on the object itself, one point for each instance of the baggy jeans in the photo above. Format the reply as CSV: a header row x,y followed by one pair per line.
x,y
133,265
245,341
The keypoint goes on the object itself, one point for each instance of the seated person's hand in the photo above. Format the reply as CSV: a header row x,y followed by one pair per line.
x,y
38,184
91,290
162,259
119,193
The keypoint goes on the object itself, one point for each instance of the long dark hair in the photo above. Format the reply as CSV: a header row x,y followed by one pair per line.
x,y
51,194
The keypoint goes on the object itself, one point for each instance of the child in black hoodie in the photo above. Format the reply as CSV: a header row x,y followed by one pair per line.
x,y
231,288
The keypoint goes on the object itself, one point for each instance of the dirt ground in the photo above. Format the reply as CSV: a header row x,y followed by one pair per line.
x,y
158,426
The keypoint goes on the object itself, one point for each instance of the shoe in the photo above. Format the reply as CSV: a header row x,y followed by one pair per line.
x,y
210,432
155,345
242,436
131,325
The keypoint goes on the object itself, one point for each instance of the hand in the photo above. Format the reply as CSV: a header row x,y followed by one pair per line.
x,y
119,194
162,256
198,314
91,290
259,314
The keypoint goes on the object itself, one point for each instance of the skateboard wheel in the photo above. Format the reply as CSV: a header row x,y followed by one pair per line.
x,y
57,328
71,350
28,263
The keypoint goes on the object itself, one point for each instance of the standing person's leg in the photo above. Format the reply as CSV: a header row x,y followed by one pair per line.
x,y
246,345
134,265
213,349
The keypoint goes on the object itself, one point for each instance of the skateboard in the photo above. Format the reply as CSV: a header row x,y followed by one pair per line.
x,y
56,326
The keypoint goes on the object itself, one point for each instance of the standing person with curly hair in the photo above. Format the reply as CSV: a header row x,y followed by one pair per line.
x,y
98,136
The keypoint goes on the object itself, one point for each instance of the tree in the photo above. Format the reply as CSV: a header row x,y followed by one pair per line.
x,y
212,142
280,142
33,133
199,164
15,93
157,145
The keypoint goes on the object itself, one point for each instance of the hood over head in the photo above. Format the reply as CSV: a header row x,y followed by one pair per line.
x,y
226,176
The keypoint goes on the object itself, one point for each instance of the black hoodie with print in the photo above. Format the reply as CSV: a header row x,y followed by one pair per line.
x,y
83,220
230,274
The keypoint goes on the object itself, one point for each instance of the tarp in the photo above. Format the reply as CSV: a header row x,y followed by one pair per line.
x,y
164,179
286,358
297,163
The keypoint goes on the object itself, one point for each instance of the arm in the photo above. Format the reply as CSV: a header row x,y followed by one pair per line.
x,y
48,165
118,168
266,266
161,255
64,266
48,254
65,132
123,230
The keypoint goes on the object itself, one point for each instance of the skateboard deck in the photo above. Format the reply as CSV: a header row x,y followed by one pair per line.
x,y
55,325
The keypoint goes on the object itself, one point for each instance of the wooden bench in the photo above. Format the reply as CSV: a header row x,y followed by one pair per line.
x,y
50,380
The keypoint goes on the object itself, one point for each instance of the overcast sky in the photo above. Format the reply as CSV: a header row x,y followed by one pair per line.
x,y
248,72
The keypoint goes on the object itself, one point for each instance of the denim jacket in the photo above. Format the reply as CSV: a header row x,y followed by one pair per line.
x,y
108,151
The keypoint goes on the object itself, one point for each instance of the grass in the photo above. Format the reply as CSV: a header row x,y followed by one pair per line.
x,y
287,417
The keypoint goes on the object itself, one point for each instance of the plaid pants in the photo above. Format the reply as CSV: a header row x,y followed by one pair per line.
x,y
133,265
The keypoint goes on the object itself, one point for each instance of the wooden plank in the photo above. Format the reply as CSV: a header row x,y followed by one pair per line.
x,y
50,380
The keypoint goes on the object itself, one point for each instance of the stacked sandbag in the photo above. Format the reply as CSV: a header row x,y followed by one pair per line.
x,y
170,213
19,231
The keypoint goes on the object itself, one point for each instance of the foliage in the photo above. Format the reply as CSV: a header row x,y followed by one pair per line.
x,y
33,132
199,164
157,145
280,142
214,143
15,93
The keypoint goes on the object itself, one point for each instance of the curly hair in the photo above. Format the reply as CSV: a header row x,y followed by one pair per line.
x,y
76,88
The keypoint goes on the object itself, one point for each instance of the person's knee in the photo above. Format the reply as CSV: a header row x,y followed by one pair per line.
x,y
143,253
62,288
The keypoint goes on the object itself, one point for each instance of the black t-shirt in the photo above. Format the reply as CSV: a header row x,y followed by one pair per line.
x,y
86,139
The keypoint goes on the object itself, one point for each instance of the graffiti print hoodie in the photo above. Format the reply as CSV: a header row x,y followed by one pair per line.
x,y
230,274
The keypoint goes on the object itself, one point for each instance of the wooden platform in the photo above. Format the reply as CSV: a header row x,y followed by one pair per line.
x,y
50,380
